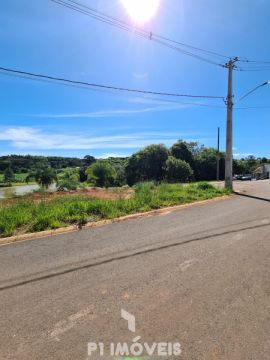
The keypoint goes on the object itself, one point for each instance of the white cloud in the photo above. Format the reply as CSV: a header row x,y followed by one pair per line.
x,y
101,113
159,106
37,139
152,105
108,155
172,104
242,155
153,101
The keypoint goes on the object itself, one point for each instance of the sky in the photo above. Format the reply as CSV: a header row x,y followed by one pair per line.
x,y
42,118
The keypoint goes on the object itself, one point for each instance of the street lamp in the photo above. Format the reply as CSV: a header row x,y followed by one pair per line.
x,y
251,91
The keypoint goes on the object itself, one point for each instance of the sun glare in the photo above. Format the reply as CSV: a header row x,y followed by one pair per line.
x,y
141,10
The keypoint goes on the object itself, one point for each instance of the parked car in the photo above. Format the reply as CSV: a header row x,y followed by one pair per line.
x,y
246,177
237,177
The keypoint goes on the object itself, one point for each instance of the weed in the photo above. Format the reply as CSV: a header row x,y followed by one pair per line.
x,y
62,211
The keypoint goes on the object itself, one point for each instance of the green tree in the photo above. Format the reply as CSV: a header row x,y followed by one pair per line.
x,y
101,173
88,160
247,165
82,174
9,175
120,179
45,177
205,164
240,167
264,160
180,150
147,164
194,147
252,163
178,170
68,180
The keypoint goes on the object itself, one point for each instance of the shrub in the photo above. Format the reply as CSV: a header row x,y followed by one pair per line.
x,y
9,175
102,174
68,180
205,186
178,170
45,177
147,164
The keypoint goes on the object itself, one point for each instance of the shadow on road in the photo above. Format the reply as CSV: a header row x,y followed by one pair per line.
x,y
123,257
251,196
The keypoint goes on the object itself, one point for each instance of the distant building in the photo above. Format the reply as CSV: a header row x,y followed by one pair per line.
x,y
262,172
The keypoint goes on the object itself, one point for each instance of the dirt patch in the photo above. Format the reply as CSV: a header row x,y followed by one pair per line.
x,y
99,193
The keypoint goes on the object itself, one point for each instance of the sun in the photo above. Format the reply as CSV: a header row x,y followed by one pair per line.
x,y
141,10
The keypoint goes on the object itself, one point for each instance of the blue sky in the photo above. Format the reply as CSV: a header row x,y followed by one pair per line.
x,y
49,119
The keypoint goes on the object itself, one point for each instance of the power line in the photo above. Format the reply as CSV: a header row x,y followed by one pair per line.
x,y
148,32
100,16
184,103
106,88
253,69
20,73
253,65
255,61
133,30
167,101
252,107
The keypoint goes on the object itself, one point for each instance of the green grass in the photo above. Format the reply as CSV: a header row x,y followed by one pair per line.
x,y
28,216
19,180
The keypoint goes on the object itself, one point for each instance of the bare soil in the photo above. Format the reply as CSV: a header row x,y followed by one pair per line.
x,y
96,192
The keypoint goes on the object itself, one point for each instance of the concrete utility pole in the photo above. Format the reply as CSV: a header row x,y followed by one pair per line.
x,y
218,157
229,134
229,142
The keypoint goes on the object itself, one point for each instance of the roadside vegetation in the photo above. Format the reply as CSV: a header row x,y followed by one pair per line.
x,y
183,162
89,190
25,215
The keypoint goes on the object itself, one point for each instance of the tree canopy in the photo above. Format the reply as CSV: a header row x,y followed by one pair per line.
x,y
68,180
101,173
180,151
178,170
205,164
154,162
9,175
147,164
28,163
45,177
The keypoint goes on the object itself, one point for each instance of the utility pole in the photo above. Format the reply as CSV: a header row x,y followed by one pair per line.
x,y
218,157
229,142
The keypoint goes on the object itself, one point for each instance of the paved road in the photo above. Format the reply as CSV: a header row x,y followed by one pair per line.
x,y
200,276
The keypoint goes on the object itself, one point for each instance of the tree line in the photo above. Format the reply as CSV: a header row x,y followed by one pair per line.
x,y
27,163
183,162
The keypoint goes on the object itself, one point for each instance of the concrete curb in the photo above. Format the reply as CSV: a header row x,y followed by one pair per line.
x,y
70,229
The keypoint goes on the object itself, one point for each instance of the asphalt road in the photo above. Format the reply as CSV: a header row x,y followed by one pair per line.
x,y
199,276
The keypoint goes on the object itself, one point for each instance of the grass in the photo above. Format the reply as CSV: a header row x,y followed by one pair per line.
x,y
29,216
18,181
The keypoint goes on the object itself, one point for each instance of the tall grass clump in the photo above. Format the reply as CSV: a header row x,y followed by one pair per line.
x,y
24,216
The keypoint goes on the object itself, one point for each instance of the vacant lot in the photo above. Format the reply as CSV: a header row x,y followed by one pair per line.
x,y
30,214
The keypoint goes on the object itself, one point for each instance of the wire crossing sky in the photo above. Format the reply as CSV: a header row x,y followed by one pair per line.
x,y
106,19
96,45
20,73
